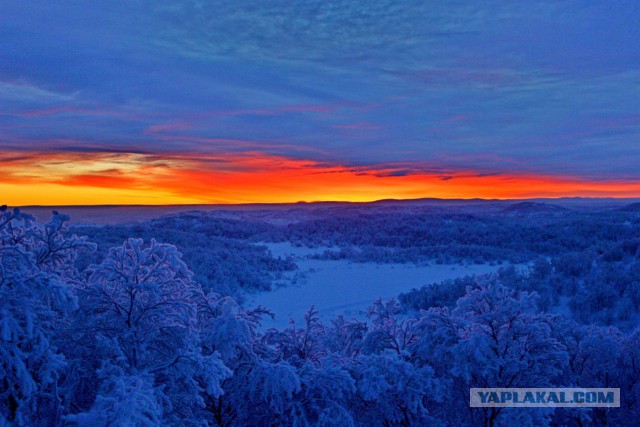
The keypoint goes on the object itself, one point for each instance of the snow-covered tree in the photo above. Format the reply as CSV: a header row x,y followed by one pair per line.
x,y
303,343
392,391
493,338
123,400
140,309
36,268
271,387
387,330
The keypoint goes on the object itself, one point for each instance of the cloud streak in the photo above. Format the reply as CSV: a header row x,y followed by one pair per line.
x,y
258,177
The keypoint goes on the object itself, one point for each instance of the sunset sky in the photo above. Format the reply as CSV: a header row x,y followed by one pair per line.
x,y
157,102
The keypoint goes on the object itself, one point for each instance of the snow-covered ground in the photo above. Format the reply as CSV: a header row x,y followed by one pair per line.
x,y
336,287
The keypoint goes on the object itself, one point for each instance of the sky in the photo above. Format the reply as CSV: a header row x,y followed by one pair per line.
x,y
170,102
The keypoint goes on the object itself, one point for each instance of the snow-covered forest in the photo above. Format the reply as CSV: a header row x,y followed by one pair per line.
x,y
151,323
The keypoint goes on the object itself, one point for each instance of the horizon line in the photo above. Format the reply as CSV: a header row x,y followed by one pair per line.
x,y
304,202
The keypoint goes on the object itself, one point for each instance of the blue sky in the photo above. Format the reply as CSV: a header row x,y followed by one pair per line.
x,y
548,88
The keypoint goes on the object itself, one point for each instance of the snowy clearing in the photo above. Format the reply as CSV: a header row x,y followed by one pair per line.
x,y
343,287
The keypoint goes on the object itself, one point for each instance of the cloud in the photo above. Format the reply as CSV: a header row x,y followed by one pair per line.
x,y
386,90
359,126
258,177
19,91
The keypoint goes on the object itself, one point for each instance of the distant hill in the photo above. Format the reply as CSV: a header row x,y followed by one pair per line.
x,y
633,207
117,214
534,207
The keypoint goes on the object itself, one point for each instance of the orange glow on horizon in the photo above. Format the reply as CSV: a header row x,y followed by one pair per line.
x,y
128,178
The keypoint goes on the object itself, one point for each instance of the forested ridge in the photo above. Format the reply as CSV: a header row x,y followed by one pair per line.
x,y
129,335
